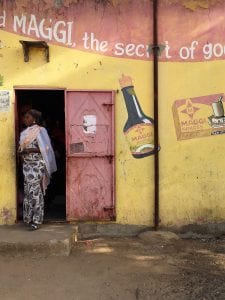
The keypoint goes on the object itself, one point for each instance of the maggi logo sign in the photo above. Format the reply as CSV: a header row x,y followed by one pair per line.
x,y
199,117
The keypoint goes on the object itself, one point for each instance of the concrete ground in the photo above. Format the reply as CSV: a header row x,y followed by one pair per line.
x,y
48,240
152,266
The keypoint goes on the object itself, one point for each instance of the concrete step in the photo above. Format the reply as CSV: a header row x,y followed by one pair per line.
x,y
49,240
58,239
93,230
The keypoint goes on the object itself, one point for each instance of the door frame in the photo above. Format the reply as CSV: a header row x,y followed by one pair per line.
x,y
53,88
113,97
16,128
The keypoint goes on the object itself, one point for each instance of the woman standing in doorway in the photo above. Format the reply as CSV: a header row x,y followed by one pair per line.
x,y
38,165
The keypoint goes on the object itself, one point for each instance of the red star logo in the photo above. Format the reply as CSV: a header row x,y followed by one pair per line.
x,y
190,110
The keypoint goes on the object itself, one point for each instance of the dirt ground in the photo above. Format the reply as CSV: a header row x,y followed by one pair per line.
x,y
119,268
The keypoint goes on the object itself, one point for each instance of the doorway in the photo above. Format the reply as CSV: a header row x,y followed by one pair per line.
x,y
52,105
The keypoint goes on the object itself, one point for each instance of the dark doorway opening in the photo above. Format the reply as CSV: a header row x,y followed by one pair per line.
x,y
51,103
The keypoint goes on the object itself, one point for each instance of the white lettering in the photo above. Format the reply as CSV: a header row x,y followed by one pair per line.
x,y
130,50
59,35
119,50
2,19
33,26
148,51
192,48
137,52
167,49
207,51
61,31
94,42
85,39
184,53
210,50
103,47
216,48
19,22
69,34
48,30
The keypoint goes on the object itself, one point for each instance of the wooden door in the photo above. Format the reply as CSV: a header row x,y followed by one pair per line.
x,y
90,155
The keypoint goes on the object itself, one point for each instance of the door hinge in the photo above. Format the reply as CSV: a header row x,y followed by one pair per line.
x,y
107,104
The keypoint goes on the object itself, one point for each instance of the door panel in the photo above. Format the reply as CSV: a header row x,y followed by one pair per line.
x,y
90,123
90,155
90,183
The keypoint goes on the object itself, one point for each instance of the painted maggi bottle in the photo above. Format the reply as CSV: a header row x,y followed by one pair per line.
x,y
138,129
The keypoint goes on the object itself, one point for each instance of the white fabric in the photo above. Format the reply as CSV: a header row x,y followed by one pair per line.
x,y
28,136
45,147
47,151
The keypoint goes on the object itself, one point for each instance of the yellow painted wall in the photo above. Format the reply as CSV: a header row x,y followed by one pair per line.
x,y
134,178
191,171
7,168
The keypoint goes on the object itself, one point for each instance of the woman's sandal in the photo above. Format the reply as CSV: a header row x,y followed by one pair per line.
x,y
34,226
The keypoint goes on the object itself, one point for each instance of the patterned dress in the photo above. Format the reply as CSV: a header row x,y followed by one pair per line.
x,y
33,170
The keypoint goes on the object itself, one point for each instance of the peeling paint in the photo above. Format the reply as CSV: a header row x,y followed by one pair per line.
x,y
47,4
194,4
6,215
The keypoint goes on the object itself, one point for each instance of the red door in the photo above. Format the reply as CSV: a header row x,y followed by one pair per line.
x,y
90,155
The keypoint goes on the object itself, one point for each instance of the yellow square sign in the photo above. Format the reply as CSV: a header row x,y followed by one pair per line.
x,y
199,117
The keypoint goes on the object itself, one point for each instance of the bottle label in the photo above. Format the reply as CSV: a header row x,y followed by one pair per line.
x,y
140,138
